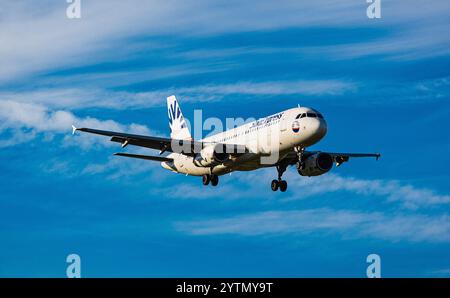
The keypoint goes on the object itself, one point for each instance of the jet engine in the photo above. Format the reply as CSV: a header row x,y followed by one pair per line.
x,y
316,164
211,156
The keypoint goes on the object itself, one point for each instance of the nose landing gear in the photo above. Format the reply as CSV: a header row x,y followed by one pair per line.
x,y
300,162
279,184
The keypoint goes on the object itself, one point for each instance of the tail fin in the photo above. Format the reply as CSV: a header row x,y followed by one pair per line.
x,y
178,126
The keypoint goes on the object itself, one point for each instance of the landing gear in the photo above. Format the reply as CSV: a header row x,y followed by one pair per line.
x,y
206,179
279,184
283,185
274,185
214,179
299,165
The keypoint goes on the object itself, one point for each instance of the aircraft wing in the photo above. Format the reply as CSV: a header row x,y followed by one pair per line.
x,y
348,155
340,158
187,147
147,157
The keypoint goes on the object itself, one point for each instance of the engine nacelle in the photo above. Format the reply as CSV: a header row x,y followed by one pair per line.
x,y
316,164
211,156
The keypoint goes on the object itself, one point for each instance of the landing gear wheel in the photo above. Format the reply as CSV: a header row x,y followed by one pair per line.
x,y
280,184
206,179
283,185
214,180
274,185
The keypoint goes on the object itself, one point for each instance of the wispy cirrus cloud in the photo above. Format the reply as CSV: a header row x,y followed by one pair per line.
x,y
37,39
81,98
420,43
348,223
305,87
241,186
407,195
118,168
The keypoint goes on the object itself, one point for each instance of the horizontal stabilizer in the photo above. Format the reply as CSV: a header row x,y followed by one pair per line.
x,y
147,157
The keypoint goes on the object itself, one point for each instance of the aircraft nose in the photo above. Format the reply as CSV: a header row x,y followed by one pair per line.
x,y
323,127
319,127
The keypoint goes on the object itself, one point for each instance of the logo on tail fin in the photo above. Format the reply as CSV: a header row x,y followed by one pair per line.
x,y
175,114
177,123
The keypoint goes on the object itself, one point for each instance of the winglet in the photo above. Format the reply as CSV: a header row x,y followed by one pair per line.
x,y
74,129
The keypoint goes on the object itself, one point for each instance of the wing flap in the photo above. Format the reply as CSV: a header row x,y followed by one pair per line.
x,y
376,155
147,157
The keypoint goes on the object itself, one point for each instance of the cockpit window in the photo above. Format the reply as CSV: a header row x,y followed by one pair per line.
x,y
309,115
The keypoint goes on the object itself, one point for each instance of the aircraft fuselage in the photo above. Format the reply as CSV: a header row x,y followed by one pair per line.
x,y
268,140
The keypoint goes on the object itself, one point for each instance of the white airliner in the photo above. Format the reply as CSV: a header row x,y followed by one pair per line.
x,y
279,140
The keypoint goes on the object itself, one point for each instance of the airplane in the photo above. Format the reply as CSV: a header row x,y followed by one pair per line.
x,y
279,141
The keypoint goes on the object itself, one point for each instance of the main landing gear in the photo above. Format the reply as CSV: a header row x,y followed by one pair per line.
x,y
279,184
214,179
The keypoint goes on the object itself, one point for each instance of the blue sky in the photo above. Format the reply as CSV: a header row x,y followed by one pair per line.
x,y
383,86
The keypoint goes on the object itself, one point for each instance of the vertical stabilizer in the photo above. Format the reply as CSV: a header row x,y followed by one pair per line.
x,y
177,123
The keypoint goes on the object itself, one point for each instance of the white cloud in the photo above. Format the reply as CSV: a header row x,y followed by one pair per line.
x,y
74,98
407,195
348,223
37,37
24,121
305,87
417,43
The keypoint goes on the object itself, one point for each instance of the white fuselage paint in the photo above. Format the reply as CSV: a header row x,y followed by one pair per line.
x,y
268,140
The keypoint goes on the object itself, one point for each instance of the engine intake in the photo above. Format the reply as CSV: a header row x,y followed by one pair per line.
x,y
211,156
316,164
